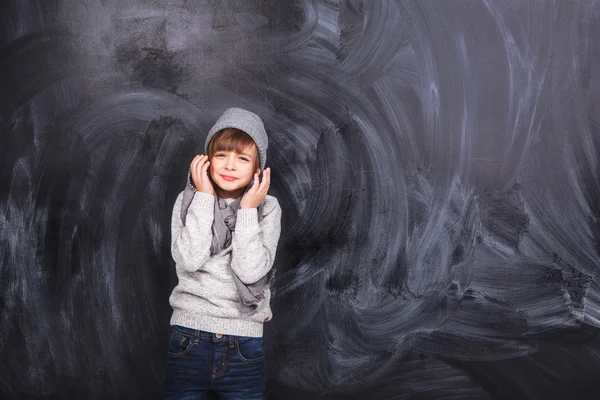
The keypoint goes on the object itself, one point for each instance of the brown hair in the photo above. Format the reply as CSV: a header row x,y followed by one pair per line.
x,y
232,139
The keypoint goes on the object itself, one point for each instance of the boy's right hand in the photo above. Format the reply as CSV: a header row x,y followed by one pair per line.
x,y
199,170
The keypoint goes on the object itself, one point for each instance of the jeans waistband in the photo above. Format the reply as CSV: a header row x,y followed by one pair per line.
x,y
202,335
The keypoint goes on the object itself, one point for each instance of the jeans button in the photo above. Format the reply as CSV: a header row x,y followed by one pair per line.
x,y
218,335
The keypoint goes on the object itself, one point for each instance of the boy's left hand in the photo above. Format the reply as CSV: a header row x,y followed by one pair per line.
x,y
256,194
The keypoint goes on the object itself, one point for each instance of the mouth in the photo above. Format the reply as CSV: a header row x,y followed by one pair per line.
x,y
228,178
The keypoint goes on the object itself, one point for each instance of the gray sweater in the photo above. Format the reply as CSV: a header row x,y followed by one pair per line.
x,y
206,297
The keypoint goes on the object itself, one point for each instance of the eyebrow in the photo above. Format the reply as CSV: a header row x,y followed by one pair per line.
x,y
242,154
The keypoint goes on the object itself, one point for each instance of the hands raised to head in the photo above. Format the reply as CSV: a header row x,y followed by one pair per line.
x,y
199,170
256,194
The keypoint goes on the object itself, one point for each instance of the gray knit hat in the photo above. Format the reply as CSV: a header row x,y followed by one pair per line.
x,y
245,121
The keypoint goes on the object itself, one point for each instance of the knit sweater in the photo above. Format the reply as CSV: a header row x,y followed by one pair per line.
x,y
206,297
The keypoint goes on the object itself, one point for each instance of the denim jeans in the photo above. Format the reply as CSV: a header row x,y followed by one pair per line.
x,y
198,362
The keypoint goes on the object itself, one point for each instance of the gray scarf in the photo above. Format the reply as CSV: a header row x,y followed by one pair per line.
x,y
223,226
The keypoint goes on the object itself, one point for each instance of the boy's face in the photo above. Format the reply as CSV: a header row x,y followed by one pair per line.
x,y
232,171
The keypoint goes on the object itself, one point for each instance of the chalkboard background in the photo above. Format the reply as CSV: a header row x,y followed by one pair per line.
x,y
437,163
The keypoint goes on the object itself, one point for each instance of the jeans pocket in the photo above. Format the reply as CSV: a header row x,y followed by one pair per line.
x,y
250,350
179,344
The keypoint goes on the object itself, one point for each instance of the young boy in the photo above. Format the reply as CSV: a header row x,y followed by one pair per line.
x,y
225,230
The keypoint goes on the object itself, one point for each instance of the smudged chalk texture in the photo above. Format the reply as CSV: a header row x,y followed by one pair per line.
x,y
437,163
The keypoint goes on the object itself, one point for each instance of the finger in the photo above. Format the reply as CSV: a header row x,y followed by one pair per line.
x,y
264,187
263,190
194,162
266,182
200,166
193,167
200,159
255,185
205,169
262,183
197,162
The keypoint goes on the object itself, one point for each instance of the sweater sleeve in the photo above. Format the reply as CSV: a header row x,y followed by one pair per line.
x,y
190,244
254,245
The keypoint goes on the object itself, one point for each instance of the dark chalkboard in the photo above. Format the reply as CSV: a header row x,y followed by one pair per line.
x,y
437,163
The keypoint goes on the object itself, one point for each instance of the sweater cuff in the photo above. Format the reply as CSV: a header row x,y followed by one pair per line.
x,y
203,201
247,218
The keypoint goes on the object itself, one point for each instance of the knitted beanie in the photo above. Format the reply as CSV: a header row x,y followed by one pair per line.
x,y
245,121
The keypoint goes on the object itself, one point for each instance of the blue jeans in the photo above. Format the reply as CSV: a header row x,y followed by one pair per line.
x,y
198,362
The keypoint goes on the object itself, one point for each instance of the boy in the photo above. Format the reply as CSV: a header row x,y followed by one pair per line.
x,y
225,230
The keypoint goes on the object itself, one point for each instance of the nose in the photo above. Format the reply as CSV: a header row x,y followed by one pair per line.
x,y
230,162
